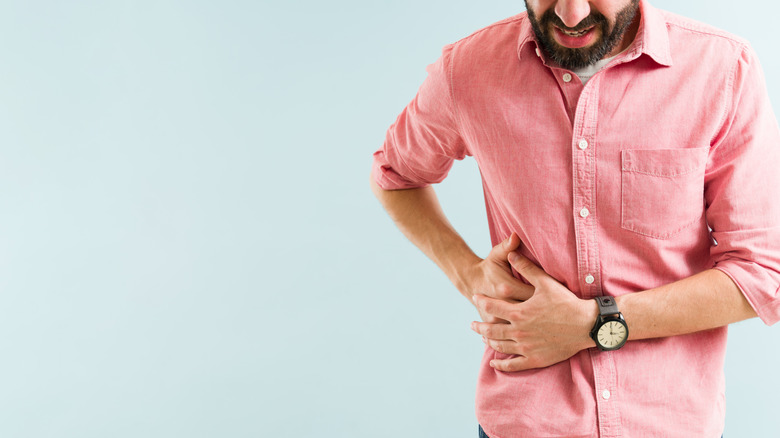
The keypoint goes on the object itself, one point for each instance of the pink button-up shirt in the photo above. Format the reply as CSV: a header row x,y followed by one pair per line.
x,y
613,188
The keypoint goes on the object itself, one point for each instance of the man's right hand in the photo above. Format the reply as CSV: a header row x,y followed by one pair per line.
x,y
493,277
419,216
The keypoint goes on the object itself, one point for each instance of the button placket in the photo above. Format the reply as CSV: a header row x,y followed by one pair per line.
x,y
583,157
583,144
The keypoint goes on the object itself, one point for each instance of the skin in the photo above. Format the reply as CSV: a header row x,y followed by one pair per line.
x,y
545,323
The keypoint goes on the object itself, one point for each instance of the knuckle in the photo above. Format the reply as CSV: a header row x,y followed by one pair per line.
x,y
529,349
503,290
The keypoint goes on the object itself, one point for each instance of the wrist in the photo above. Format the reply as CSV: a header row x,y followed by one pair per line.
x,y
610,332
463,272
589,313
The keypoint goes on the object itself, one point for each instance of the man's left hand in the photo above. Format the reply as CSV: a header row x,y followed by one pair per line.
x,y
550,327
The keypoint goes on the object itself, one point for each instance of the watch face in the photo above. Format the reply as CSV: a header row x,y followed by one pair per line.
x,y
612,334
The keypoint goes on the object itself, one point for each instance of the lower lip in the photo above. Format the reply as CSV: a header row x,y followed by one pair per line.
x,y
575,42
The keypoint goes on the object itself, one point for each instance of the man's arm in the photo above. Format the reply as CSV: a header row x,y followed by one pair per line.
x,y
703,301
418,214
553,324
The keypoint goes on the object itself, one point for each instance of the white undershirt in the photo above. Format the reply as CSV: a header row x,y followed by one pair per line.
x,y
587,72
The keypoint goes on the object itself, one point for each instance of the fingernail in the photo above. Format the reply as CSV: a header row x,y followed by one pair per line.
x,y
512,256
484,339
508,241
473,325
492,364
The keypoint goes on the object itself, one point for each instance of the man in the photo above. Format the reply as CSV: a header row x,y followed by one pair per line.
x,y
628,159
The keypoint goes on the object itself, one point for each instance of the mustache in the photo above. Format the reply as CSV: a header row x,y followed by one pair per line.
x,y
593,19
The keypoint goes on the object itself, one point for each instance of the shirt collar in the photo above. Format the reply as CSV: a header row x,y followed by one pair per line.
x,y
652,38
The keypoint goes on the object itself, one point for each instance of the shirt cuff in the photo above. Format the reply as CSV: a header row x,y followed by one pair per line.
x,y
761,290
387,178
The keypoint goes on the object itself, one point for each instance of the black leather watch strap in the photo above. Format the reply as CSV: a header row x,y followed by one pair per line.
x,y
607,306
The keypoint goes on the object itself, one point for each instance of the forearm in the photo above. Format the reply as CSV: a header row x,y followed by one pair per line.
x,y
418,214
703,301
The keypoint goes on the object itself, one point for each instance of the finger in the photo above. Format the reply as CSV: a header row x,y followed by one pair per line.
x,y
499,308
513,364
500,251
506,347
526,268
512,289
493,320
492,331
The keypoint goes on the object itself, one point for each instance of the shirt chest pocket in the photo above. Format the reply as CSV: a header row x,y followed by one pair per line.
x,y
662,190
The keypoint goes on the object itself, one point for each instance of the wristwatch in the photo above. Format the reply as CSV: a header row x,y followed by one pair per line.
x,y
610,331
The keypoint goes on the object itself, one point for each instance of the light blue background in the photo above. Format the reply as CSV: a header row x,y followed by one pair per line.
x,y
189,245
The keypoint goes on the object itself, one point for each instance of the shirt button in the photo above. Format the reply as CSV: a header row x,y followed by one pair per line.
x,y
566,77
605,394
589,279
584,212
583,144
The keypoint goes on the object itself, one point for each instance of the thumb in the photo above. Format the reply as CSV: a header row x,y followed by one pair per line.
x,y
501,251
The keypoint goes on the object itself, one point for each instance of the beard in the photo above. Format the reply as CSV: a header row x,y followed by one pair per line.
x,y
573,59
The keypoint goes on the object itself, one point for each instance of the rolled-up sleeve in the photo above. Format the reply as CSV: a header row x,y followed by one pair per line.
x,y
742,191
421,145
